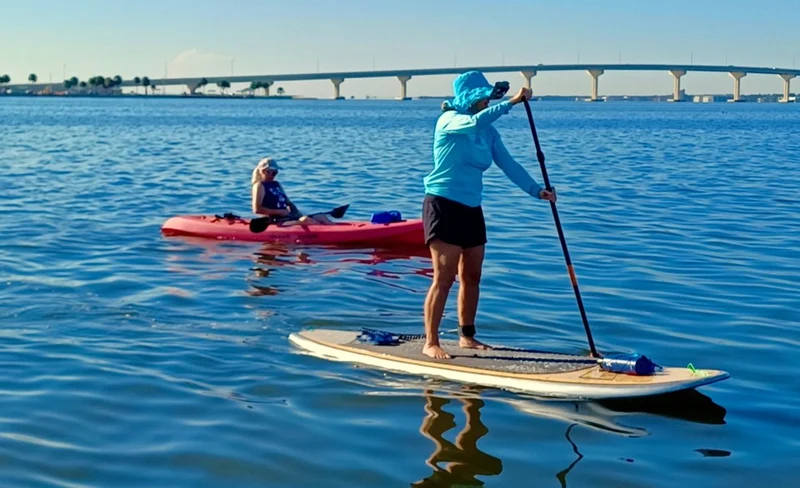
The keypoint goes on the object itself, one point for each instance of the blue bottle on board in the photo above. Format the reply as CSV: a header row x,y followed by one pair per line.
x,y
633,364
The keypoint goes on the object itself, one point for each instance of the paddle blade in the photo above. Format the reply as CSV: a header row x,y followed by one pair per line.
x,y
259,224
338,212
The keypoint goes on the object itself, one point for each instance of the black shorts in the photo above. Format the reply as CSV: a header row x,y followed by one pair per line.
x,y
452,222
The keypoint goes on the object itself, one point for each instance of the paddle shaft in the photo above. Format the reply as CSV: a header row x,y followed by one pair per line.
x,y
572,277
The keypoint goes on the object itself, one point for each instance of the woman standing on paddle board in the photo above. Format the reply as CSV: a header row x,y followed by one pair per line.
x,y
465,144
268,197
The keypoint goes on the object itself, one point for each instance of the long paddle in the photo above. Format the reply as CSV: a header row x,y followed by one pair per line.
x,y
260,224
540,157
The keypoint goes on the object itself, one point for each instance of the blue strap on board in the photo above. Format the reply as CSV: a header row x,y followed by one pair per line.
x,y
383,338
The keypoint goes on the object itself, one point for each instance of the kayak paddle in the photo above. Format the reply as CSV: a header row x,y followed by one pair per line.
x,y
260,224
540,157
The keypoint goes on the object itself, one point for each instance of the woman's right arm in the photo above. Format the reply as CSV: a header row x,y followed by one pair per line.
x,y
258,197
465,124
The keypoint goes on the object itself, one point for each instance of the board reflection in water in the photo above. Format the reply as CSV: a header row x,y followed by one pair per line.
x,y
461,463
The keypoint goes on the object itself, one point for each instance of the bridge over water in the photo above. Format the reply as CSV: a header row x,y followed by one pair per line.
x,y
528,72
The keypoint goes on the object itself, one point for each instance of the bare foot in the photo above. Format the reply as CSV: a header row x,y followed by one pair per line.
x,y
435,352
470,343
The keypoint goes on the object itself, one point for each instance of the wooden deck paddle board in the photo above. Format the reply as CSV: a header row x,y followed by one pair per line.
x,y
540,373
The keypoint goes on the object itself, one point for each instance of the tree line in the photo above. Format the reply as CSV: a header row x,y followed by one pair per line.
x,y
107,83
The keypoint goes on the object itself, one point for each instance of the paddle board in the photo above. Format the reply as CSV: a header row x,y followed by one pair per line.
x,y
547,374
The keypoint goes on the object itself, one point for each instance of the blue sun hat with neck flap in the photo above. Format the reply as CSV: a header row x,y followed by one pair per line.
x,y
471,87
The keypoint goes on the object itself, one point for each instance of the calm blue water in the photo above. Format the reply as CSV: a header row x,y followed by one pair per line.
x,y
130,359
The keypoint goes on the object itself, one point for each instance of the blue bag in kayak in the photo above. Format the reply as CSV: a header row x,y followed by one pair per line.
x,y
386,217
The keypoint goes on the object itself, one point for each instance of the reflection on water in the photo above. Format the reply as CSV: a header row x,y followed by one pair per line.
x,y
460,462
689,405
587,414
714,452
562,475
335,260
385,255
456,463
281,255
269,256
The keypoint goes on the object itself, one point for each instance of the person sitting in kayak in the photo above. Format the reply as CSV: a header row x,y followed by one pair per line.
x,y
269,198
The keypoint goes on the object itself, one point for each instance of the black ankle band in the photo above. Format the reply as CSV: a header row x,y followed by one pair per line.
x,y
466,330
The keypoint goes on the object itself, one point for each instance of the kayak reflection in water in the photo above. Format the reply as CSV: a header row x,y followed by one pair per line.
x,y
269,198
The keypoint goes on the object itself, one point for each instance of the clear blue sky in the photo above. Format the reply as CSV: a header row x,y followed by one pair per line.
x,y
201,37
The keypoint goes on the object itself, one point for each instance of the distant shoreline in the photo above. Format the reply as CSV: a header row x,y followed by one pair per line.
x,y
134,95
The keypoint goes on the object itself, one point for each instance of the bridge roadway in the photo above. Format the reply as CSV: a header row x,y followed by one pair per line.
x,y
527,71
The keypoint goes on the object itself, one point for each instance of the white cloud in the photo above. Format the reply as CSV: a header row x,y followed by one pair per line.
x,y
195,62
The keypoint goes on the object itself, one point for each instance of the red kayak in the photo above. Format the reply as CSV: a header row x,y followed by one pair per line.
x,y
236,228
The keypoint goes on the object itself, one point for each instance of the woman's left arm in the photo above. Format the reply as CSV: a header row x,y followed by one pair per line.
x,y
512,168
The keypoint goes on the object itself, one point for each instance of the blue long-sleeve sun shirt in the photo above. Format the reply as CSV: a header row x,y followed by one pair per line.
x,y
464,146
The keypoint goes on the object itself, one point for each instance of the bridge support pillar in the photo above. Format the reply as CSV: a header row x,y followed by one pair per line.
x,y
786,85
337,82
676,86
528,75
404,87
737,86
595,74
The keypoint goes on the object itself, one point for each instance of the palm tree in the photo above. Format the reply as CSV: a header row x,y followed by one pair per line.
x,y
3,80
32,78
74,81
223,85
281,91
145,84
83,85
255,86
137,81
153,87
67,84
